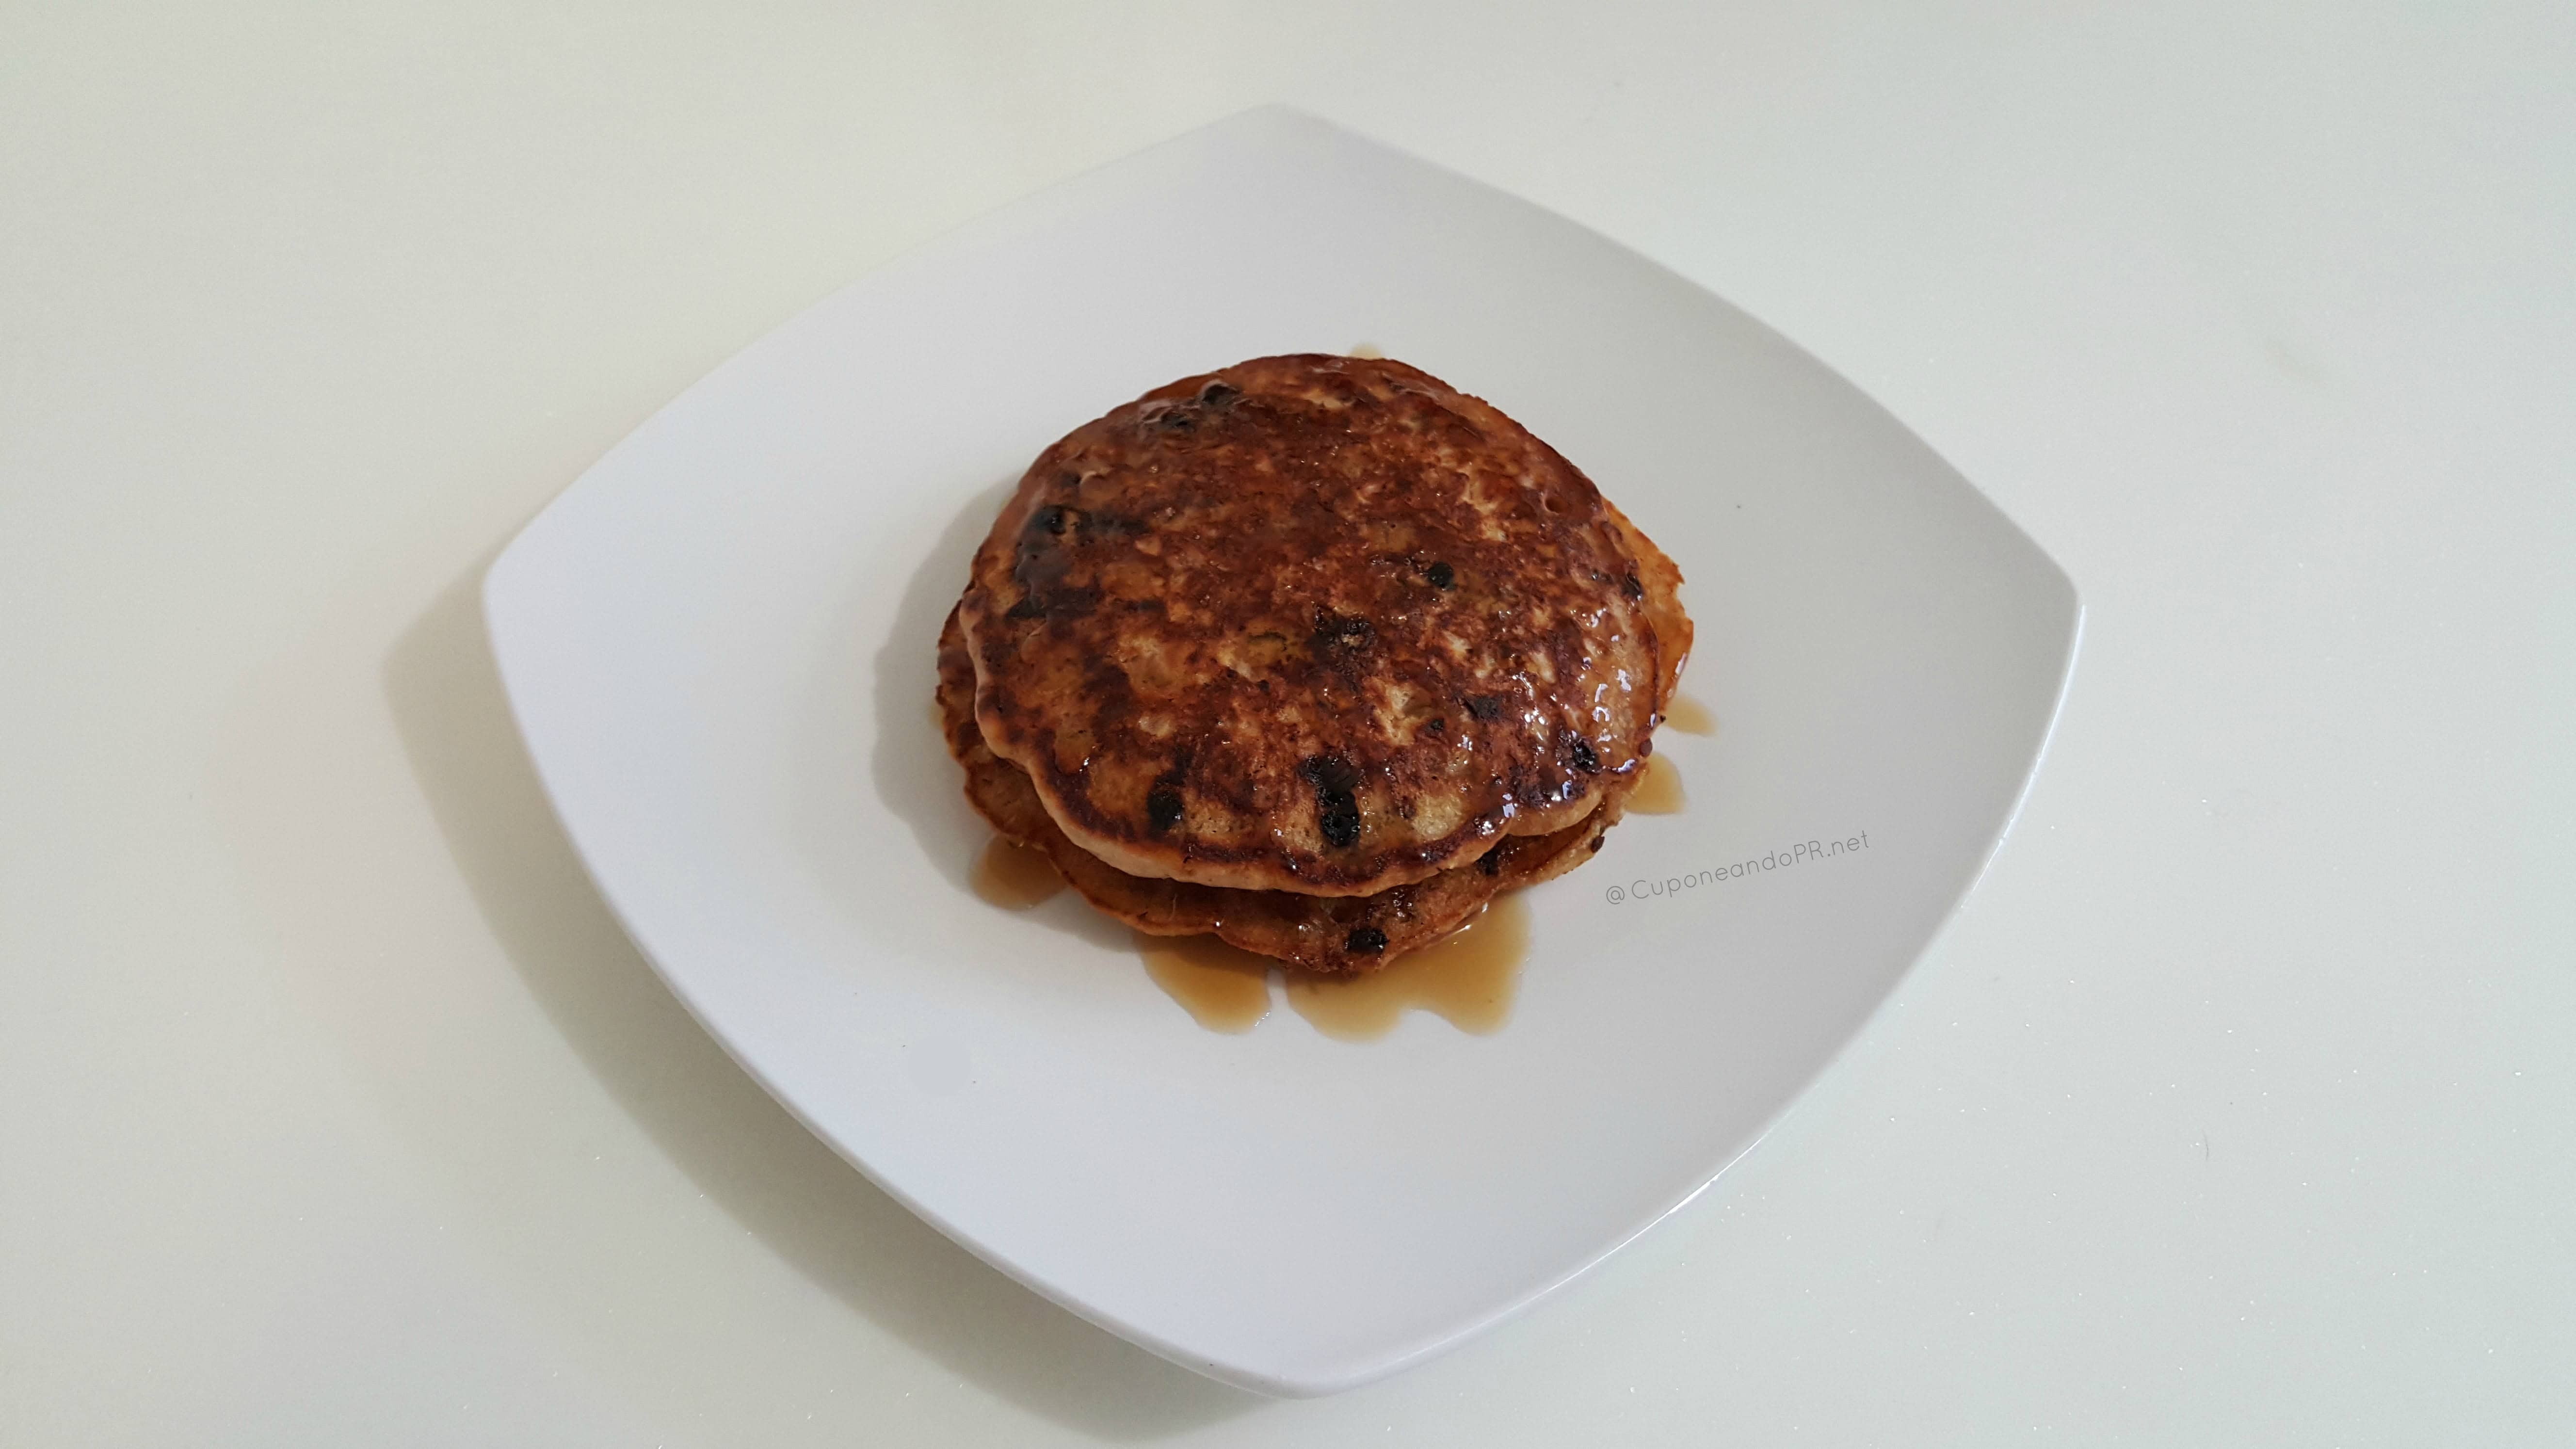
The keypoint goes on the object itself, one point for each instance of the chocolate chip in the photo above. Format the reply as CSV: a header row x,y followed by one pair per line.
x,y
1442,576
1340,819
1217,394
1585,758
1162,808
1491,863
1485,706
1366,941
1337,810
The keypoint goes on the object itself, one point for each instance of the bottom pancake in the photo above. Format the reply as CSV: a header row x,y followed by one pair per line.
x,y
1329,934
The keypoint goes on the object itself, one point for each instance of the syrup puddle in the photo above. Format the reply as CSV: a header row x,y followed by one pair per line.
x,y
1690,716
1660,793
1469,977
1015,877
1223,988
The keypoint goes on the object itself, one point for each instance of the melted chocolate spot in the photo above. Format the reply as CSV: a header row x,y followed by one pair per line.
x,y
1162,808
1330,773
1442,576
1485,706
1586,758
1340,630
1366,941
1040,564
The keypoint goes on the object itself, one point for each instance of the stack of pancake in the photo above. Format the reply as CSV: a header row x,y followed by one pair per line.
x,y
1314,653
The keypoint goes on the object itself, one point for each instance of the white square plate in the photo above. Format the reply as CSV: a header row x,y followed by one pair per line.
x,y
719,646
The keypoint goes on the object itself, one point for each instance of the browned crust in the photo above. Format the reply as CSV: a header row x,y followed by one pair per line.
x,y
1313,933
1674,632
1312,624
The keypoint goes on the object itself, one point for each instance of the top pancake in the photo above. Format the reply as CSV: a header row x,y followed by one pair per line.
x,y
1310,623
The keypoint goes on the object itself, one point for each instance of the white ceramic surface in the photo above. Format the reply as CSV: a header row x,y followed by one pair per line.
x,y
718,646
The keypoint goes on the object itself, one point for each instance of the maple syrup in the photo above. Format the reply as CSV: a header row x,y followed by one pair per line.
x,y
1660,793
1015,877
1690,716
1222,987
1469,976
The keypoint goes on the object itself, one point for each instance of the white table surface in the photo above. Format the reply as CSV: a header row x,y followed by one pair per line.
x,y
2237,1105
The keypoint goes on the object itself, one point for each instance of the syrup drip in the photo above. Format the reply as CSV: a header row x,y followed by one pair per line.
x,y
1690,716
1223,988
1660,793
1015,877
1469,977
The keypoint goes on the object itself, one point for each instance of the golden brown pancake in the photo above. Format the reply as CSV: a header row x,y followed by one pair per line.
x,y
1332,934
1319,626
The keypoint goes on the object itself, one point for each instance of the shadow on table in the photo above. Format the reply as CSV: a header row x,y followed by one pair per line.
x,y
736,1143
909,771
